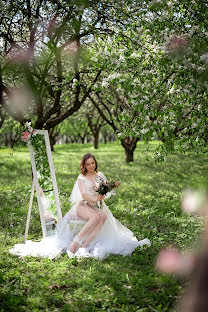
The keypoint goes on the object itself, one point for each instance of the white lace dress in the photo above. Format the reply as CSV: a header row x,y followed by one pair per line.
x,y
113,238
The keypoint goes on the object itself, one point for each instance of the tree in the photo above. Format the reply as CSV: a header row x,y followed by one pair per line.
x,y
163,74
110,106
107,134
75,128
2,117
9,132
45,43
95,123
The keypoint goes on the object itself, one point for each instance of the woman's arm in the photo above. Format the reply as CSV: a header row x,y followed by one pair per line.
x,y
86,196
92,198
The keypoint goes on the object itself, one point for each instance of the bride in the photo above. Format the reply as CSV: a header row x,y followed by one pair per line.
x,y
88,229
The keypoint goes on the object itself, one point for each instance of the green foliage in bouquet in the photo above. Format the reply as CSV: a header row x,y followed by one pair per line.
x,y
104,187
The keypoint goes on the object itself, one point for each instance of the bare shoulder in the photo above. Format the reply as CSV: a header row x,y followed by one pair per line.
x,y
101,174
81,176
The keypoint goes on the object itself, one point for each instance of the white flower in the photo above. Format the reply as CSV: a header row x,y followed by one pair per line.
x,y
106,53
134,55
104,83
143,131
28,126
113,76
94,59
200,68
171,90
204,58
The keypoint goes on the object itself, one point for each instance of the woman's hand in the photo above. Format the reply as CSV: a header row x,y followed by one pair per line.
x,y
117,183
100,197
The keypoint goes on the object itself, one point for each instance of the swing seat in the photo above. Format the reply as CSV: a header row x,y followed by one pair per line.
x,y
76,224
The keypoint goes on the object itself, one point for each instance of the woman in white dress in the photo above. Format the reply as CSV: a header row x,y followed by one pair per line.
x,y
88,229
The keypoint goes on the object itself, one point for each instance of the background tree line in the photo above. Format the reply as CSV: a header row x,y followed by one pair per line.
x,y
89,69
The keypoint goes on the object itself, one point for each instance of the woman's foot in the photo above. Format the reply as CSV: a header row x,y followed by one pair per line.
x,y
70,254
74,246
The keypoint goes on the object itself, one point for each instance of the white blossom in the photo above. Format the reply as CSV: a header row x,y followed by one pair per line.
x,y
94,59
106,52
171,90
104,83
134,55
143,131
28,126
204,58
113,76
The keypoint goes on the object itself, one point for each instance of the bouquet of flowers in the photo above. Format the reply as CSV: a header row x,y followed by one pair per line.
x,y
103,187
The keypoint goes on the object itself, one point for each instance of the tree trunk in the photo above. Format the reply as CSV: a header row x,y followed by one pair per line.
x,y
105,138
6,140
95,139
129,145
52,140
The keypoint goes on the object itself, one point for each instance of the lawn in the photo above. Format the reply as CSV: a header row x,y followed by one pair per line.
x,y
148,202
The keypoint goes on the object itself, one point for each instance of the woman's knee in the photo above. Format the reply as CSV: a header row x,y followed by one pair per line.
x,y
103,218
96,218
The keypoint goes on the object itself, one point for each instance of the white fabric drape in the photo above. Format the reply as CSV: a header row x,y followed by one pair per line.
x,y
113,238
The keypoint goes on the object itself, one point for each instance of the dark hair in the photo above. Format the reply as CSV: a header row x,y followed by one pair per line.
x,y
83,161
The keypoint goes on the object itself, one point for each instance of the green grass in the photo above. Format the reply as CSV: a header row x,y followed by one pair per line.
x,y
147,202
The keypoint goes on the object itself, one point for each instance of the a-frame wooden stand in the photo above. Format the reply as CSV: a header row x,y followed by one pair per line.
x,y
35,185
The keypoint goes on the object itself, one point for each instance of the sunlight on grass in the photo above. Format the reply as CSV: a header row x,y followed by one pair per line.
x,y
147,202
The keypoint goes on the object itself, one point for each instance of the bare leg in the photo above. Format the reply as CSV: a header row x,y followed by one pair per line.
x,y
95,230
94,219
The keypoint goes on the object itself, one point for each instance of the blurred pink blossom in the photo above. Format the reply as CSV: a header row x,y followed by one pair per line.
x,y
19,55
71,47
177,41
169,261
173,262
